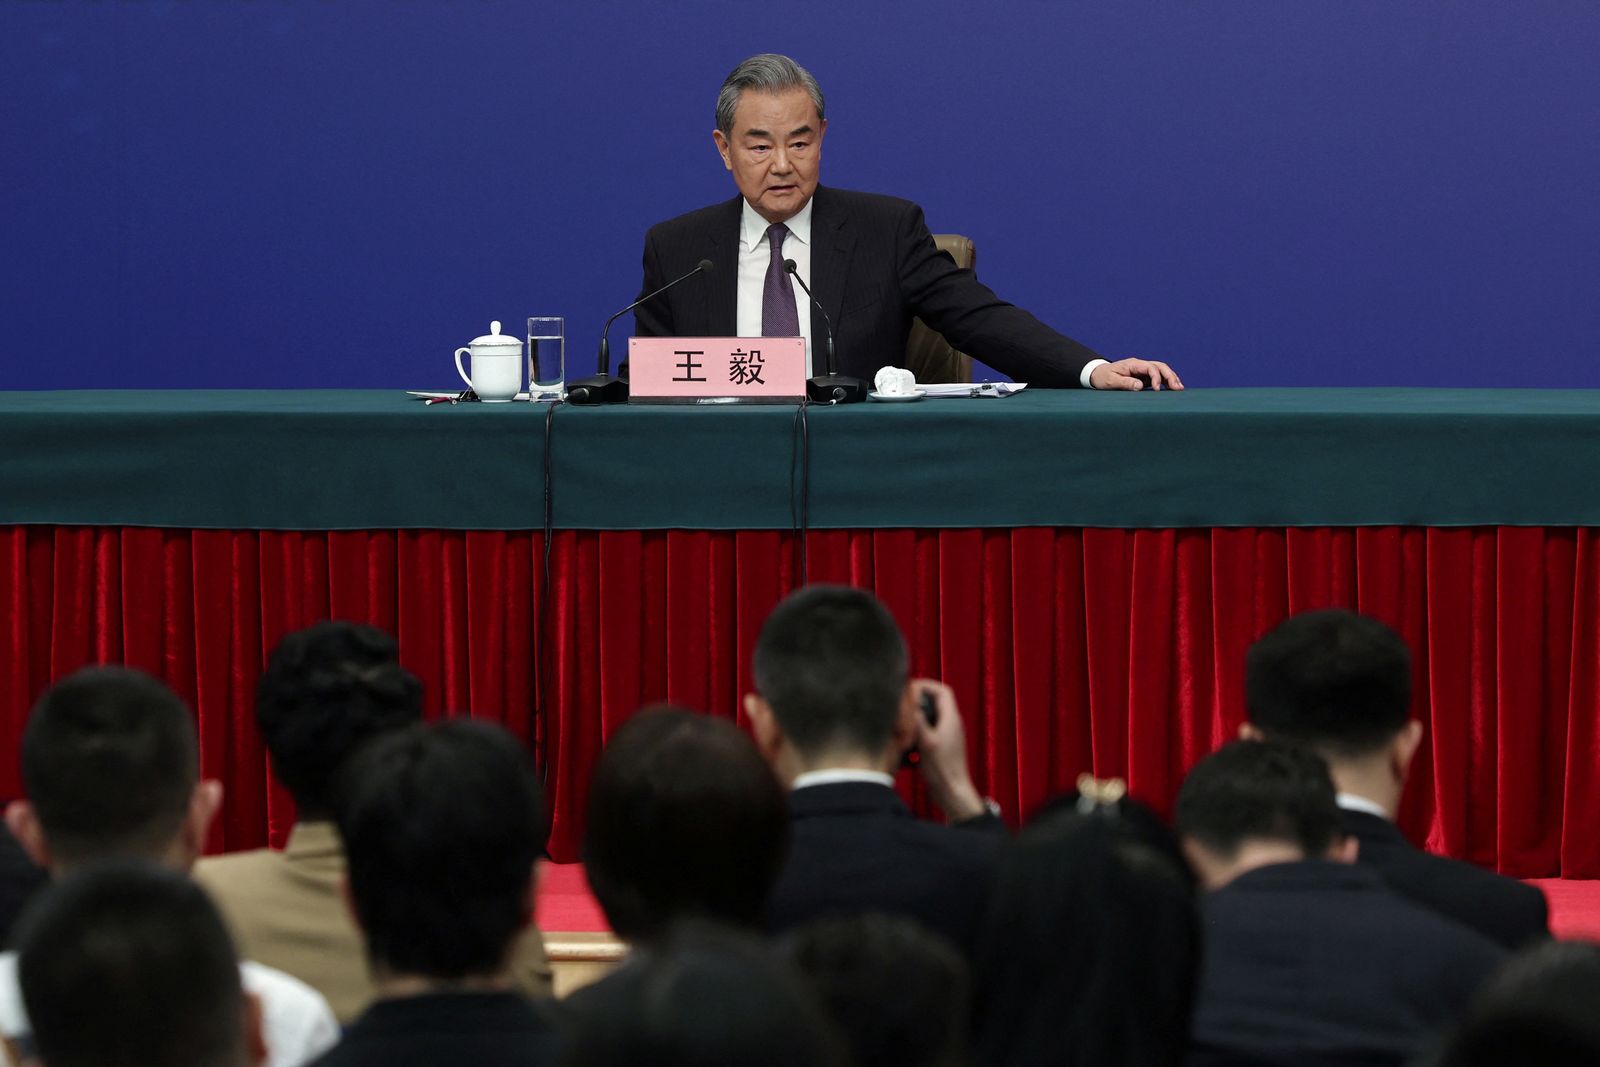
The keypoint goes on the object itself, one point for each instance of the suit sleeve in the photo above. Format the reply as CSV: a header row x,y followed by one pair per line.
x,y
653,318
975,320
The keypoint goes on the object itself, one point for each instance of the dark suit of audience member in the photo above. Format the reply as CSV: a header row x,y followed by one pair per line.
x,y
1320,957
855,847
1339,683
1309,957
440,1029
834,712
1506,911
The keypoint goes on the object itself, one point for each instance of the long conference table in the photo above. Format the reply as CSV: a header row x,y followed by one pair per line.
x,y
1085,569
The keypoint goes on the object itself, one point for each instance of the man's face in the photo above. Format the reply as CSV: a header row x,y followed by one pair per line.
x,y
775,151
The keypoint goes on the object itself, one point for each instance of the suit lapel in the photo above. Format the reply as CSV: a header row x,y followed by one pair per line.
x,y
832,243
722,295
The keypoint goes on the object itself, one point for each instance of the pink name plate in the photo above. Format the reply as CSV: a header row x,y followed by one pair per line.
x,y
716,370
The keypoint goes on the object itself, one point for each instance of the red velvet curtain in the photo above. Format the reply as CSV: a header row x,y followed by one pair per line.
x,y
1115,651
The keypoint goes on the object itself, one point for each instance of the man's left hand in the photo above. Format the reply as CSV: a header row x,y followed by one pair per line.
x,y
1134,374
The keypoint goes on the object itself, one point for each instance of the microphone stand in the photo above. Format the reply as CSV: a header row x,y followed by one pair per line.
x,y
832,387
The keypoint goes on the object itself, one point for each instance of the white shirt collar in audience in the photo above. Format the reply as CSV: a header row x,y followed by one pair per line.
x,y
1352,802
295,1019
834,777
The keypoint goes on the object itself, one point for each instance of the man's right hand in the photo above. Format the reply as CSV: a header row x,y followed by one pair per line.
x,y
944,754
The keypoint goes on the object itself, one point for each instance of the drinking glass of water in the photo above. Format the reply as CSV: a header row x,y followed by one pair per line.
x,y
547,358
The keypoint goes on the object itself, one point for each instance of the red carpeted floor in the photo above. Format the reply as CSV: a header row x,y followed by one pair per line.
x,y
566,905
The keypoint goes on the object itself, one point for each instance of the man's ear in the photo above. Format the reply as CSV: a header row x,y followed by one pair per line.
x,y
255,1030
905,721
348,898
1403,749
204,803
1249,731
23,822
1345,849
723,148
763,726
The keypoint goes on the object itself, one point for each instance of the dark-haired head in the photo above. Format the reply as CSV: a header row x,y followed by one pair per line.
x,y
830,671
705,995
111,768
129,963
441,825
326,690
1538,1008
1253,802
897,992
1331,680
685,820
1090,946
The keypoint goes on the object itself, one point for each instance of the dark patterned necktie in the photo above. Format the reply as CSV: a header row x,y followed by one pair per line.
x,y
778,315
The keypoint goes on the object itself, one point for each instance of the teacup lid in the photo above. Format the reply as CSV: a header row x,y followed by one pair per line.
x,y
495,337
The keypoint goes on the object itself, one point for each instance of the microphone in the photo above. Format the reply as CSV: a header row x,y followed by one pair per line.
x,y
602,388
832,387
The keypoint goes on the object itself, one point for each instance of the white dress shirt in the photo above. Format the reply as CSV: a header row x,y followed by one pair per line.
x,y
837,775
754,257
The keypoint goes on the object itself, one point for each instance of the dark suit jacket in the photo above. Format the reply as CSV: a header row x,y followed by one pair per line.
x,y
855,847
1502,909
20,879
874,267
482,1029
1321,962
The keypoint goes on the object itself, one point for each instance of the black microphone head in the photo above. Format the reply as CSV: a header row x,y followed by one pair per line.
x,y
704,266
789,265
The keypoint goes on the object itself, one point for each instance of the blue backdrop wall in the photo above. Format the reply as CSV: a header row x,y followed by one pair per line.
x,y
291,193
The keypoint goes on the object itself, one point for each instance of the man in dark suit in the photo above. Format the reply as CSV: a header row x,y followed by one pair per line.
x,y
870,260
1309,958
1340,683
834,713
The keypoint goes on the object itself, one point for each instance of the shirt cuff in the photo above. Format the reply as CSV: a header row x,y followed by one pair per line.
x,y
1088,369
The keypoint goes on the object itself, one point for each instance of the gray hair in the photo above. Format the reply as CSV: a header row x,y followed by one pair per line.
x,y
766,73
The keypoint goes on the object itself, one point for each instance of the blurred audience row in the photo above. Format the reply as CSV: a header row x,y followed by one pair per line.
x,y
780,901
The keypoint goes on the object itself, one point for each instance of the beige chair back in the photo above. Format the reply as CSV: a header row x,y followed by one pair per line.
x,y
928,355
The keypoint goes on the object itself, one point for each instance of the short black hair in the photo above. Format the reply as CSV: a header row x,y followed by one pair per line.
x,y
897,992
125,962
1544,997
109,762
326,690
1090,944
832,664
1259,790
685,819
1333,680
704,995
441,825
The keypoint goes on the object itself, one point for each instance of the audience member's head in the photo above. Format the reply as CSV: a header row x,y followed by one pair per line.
x,y
831,673
1090,949
1539,1008
111,768
127,963
326,690
1339,683
442,826
685,820
1255,803
896,992
705,995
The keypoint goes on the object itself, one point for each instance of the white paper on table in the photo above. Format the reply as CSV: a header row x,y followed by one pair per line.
x,y
423,394
955,390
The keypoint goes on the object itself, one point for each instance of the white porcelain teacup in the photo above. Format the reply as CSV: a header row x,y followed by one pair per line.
x,y
497,366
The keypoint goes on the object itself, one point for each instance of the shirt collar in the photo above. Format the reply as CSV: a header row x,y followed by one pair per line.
x,y
1352,802
313,839
753,228
835,777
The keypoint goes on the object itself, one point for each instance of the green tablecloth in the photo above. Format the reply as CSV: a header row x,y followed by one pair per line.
x,y
334,459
